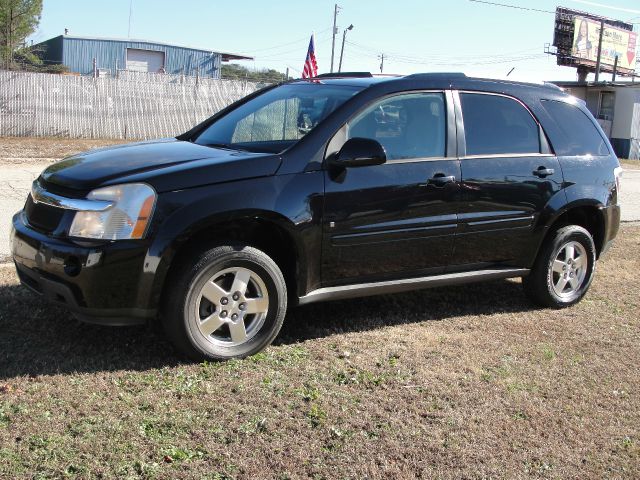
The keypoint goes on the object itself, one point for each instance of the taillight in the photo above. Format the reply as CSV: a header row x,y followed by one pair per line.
x,y
617,172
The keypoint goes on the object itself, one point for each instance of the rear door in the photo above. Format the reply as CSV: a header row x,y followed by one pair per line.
x,y
397,219
509,174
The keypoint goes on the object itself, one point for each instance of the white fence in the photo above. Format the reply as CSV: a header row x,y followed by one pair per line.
x,y
128,106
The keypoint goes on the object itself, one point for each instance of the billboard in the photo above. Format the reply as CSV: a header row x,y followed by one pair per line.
x,y
616,42
576,37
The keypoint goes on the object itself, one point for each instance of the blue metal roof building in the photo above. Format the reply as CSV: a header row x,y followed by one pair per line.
x,y
111,54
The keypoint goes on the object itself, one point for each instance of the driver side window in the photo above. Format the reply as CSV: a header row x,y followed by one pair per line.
x,y
407,126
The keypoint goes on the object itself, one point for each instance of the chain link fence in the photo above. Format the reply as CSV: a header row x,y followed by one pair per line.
x,y
129,105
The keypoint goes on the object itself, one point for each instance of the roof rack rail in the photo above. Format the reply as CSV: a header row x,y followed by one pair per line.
x,y
437,75
345,75
553,85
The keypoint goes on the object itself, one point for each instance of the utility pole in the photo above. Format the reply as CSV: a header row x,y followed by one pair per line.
x,y
335,32
615,69
344,36
381,57
599,50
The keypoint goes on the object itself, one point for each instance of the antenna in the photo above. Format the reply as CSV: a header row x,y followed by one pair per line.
x,y
130,12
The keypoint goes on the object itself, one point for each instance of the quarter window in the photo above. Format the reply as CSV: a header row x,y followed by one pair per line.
x,y
496,125
407,126
579,134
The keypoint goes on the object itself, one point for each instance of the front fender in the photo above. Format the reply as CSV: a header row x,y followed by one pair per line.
x,y
291,202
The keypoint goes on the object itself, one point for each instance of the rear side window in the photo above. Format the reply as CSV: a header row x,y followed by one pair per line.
x,y
580,135
496,125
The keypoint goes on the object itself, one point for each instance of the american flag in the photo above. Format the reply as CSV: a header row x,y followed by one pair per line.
x,y
310,69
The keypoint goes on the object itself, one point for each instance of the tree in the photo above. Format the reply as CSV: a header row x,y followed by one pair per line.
x,y
18,20
233,71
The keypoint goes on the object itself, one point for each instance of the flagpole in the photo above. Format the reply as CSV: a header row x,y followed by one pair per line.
x,y
335,31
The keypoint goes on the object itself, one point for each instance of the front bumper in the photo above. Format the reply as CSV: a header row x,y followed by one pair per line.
x,y
102,283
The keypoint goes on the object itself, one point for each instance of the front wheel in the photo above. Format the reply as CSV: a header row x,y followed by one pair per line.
x,y
227,302
563,271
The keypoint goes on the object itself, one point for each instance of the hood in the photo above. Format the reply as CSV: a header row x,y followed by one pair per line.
x,y
167,164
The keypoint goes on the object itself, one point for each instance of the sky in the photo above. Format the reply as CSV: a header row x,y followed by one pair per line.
x,y
476,38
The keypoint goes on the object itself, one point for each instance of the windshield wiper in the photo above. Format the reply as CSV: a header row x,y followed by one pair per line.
x,y
226,146
229,146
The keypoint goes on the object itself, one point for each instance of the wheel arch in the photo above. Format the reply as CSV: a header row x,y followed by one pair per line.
x,y
585,213
267,231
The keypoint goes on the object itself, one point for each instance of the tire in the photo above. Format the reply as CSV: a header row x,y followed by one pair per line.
x,y
227,302
564,268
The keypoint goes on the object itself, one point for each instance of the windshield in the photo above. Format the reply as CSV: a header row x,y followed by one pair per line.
x,y
277,119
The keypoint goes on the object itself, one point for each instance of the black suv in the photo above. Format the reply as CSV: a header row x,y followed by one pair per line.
x,y
324,189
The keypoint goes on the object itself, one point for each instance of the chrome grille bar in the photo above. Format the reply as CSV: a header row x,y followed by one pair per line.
x,y
40,195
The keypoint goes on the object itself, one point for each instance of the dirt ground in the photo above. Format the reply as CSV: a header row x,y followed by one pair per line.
x,y
30,150
22,159
462,382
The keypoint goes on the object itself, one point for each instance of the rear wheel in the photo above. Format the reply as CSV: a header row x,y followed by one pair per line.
x,y
228,302
564,268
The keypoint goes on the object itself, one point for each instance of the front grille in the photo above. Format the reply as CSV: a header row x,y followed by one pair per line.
x,y
42,217
62,190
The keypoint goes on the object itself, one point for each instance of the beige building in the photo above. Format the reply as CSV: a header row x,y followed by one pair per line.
x,y
616,106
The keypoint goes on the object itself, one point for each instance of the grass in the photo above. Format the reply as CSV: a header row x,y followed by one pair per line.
x,y
460,382
633,164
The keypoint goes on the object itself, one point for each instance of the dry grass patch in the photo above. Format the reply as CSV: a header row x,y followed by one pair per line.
x,y
632,164
21,150
464,382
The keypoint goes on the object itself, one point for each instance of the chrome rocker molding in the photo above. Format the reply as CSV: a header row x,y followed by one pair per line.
x,y
404,285
40,195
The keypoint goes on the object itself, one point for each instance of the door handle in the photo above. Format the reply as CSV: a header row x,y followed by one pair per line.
x,y
543,172
440,179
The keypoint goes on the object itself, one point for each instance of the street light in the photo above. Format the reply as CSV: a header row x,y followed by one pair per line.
x,y
344,35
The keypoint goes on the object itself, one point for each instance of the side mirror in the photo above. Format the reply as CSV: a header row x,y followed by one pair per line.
x,y
359,152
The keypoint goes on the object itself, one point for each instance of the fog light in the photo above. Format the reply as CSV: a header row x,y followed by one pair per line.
x,y
72,266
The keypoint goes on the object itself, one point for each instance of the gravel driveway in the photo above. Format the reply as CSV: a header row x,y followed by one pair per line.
x,y
631,194
15,183
16,178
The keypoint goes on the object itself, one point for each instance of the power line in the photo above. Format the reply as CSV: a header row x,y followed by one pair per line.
x,y
439,59
275,55
512,6
458,63
610,7
286,44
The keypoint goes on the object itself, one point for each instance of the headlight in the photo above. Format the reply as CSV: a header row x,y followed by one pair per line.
x,y
127,217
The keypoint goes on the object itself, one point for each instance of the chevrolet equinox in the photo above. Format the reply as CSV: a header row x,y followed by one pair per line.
x,y
322,189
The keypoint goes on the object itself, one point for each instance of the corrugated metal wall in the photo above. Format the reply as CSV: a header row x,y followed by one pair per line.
x,y
134,105
51,50
78,54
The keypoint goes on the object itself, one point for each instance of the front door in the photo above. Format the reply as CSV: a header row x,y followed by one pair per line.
x,y
509,175
397,219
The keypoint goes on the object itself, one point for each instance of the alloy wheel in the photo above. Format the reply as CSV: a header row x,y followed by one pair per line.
x,y
231,307
569,269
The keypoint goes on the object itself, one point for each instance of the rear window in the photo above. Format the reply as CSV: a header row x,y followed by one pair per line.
x,y
579,135
496,125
